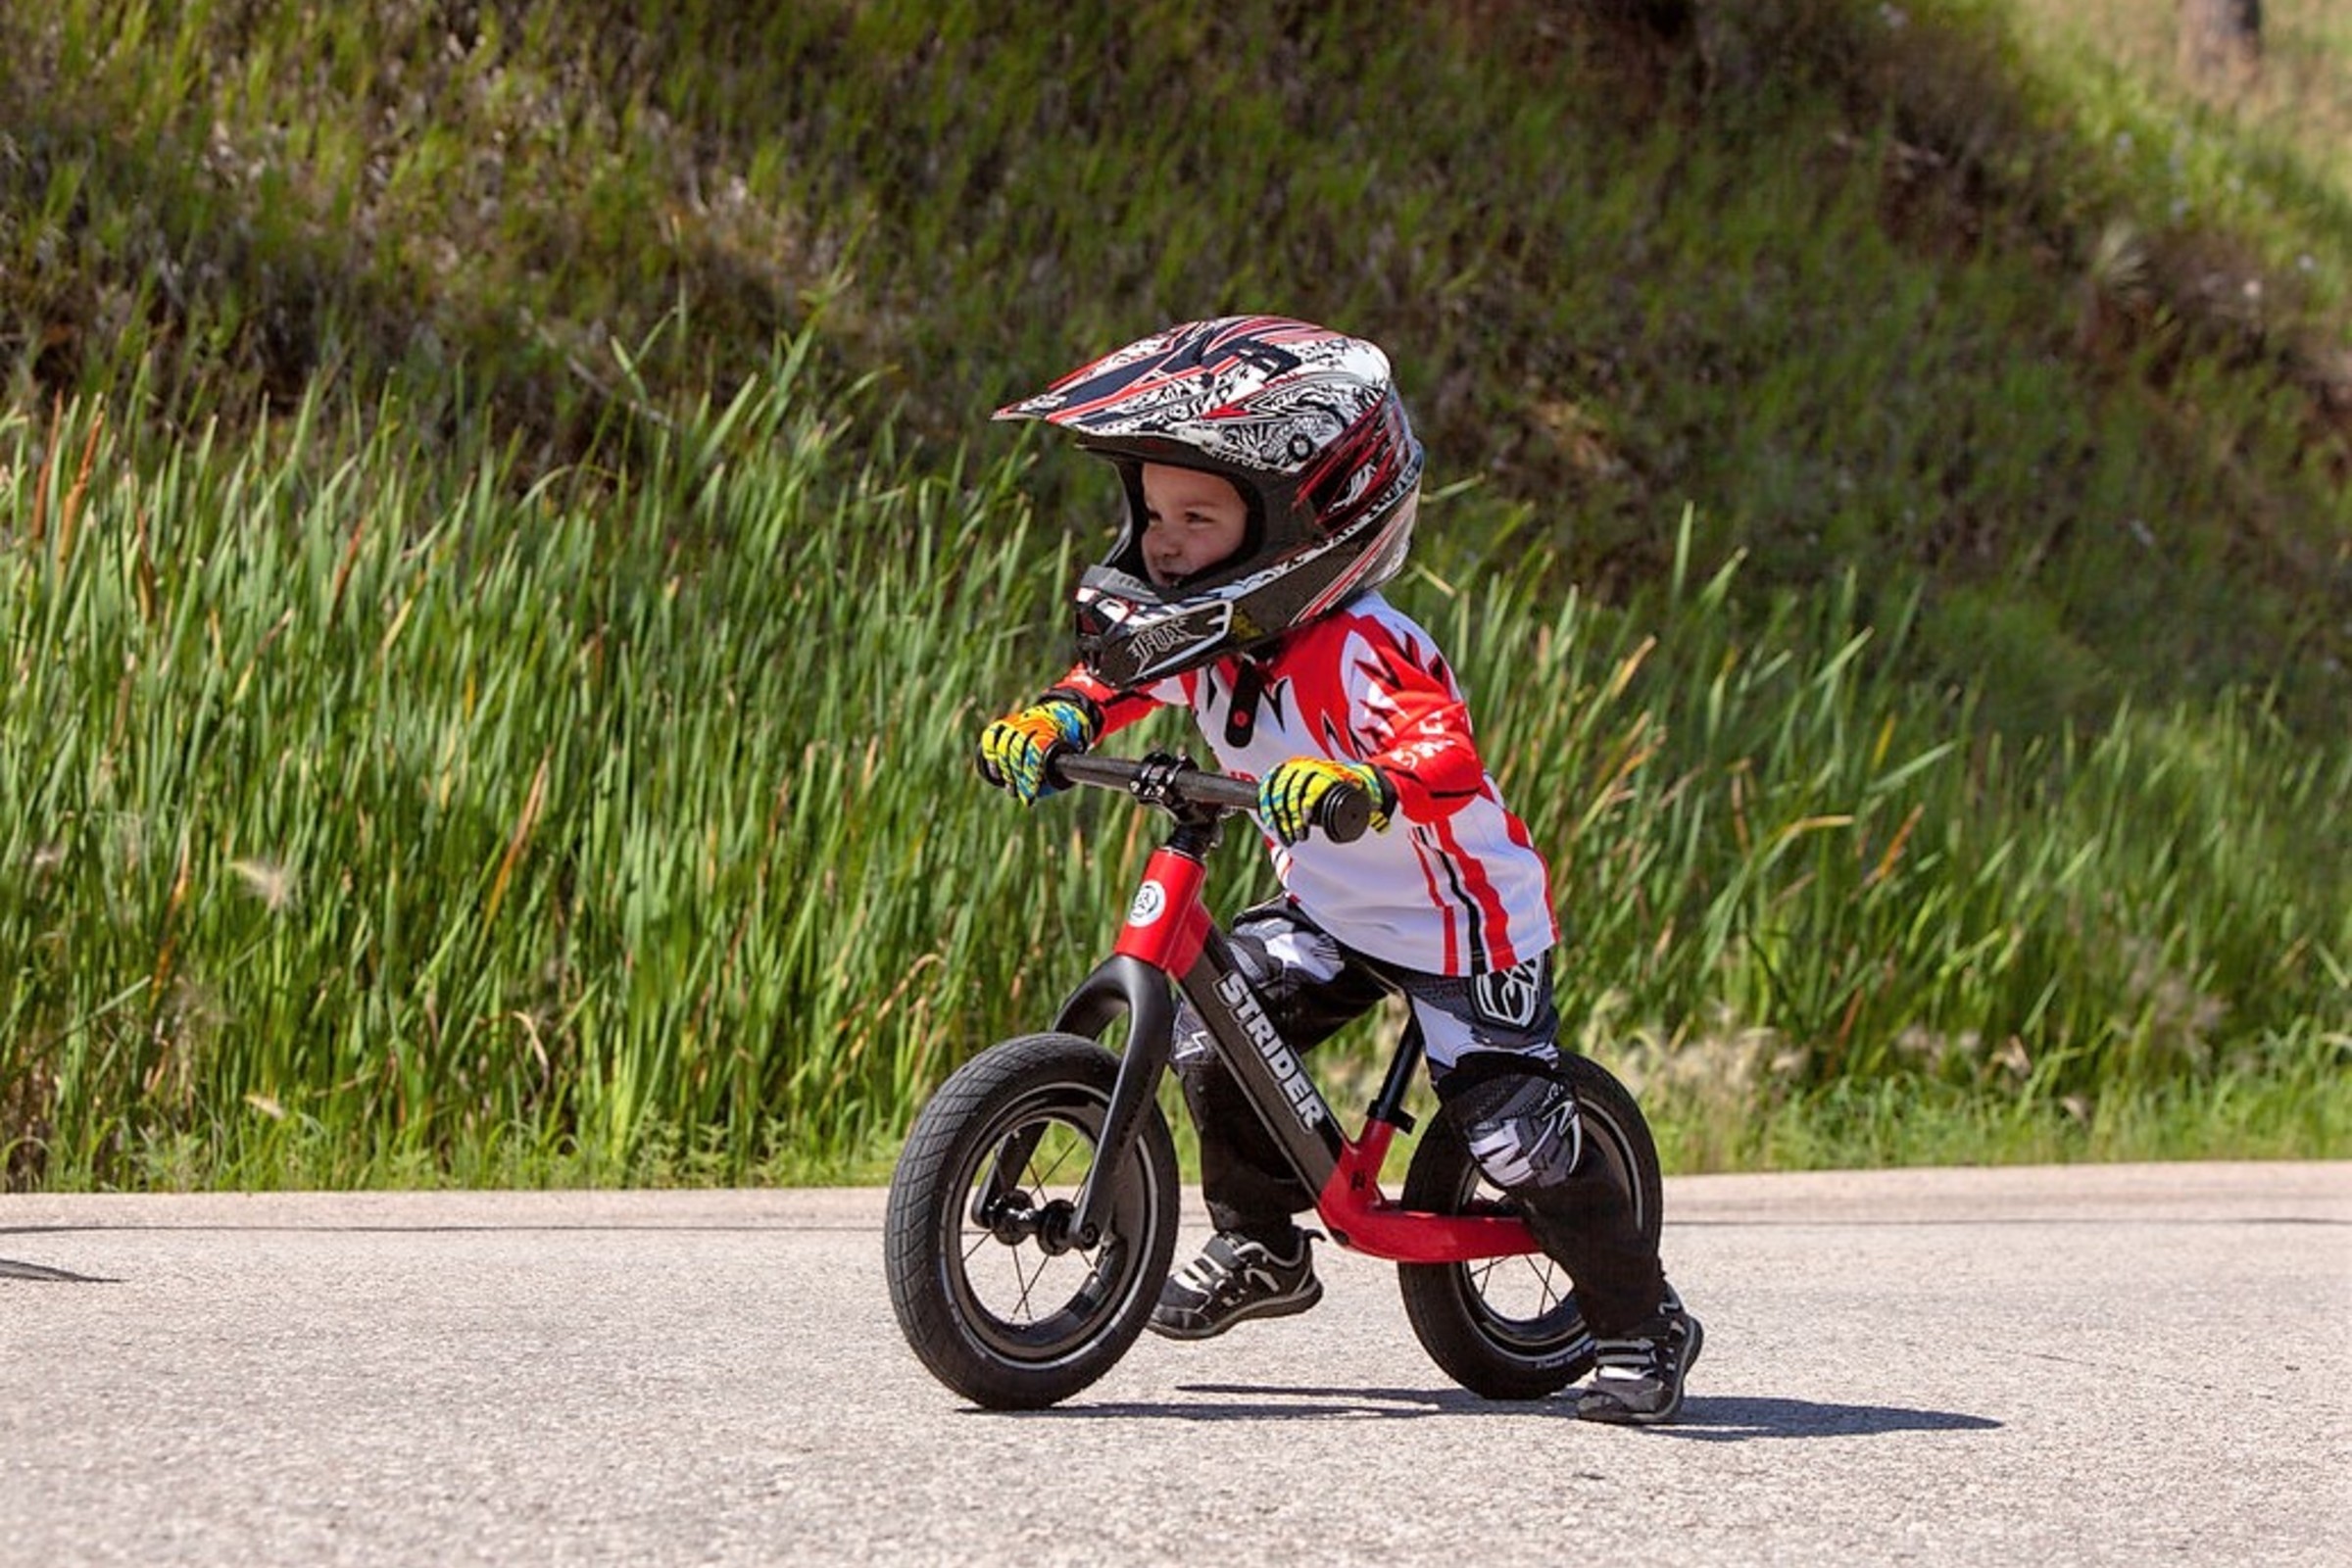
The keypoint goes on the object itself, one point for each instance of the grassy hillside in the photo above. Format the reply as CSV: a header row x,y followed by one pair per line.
x,y
1879,294
504,554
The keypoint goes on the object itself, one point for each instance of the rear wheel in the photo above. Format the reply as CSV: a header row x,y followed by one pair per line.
x,y
989,1290
1508,1328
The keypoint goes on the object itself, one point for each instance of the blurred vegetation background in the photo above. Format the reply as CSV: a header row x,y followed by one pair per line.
x,y
504,555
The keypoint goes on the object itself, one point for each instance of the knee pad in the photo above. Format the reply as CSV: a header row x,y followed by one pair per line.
x,y
1521,1123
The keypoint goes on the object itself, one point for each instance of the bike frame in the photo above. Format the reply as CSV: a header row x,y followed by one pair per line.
x,y
1170,940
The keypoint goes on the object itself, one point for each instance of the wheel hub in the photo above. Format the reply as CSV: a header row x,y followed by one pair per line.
x,y
1017,1217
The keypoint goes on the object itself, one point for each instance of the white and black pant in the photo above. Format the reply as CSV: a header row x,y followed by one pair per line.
x,y
1491,1041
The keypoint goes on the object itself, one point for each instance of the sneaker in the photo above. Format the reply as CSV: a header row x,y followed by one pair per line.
x,y
1639,1380
1234,1279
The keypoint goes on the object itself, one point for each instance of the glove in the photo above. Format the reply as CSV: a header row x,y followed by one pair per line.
x,y
1288,797
1014,750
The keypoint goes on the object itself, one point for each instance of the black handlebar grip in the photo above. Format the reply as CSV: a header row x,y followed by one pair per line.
x,y
1343,813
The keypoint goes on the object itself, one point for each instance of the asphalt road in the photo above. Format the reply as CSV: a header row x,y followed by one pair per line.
x,y
2131,1365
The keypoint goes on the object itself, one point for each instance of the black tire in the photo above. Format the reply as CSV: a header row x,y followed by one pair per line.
x,y
1508,1328
990,1310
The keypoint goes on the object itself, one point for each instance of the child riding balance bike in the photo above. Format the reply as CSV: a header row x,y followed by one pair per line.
x,y
1272,479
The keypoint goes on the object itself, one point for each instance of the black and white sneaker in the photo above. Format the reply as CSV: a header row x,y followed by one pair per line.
x,y
1235,1279
1639,1377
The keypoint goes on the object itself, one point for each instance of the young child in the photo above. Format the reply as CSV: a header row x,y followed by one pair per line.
x,y
1272,479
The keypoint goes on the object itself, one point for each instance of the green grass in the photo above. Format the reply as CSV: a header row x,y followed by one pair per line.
x,y
502,557
393,821
2297,1108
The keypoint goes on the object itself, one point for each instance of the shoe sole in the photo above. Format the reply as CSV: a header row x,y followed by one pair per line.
x,y
1619,1415
1273,1307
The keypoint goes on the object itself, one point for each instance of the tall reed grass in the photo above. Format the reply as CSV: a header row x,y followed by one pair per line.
x,y
1787,871
375,812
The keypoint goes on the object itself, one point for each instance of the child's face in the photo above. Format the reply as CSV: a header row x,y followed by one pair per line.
x,y
1192,521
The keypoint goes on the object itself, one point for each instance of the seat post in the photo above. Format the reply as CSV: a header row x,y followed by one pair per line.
x,y
1389,1104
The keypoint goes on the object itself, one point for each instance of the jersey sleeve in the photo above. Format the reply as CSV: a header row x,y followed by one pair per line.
x,y
1408,719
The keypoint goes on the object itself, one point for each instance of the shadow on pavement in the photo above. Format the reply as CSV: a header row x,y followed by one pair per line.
x,y
1708,1420
12,1269
1251,1401
1734,1420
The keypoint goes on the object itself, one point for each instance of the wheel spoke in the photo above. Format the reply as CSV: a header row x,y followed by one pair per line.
x,y
1546,1275
1070,1146
979,1239
1023,1285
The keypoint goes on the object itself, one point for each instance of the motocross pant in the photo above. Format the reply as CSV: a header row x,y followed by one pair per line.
x,y
1492,1045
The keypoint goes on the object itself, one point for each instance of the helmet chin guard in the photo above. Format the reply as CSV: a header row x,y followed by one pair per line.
x,y
1305,423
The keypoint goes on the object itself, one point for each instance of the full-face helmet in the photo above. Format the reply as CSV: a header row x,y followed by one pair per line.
x,y
1306,424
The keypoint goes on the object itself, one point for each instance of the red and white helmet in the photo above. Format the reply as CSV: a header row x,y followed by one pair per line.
x,y
1305,422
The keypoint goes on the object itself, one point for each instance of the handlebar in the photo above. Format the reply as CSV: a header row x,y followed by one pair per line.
x,y
1176,783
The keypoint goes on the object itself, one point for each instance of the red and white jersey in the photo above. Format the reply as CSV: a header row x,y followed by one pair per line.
x,y
1454,886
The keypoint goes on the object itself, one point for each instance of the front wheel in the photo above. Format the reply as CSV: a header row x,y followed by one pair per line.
x,y
1508,1328
989,1293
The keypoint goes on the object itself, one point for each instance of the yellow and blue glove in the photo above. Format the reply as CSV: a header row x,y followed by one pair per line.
x,y
1289,797
1016,749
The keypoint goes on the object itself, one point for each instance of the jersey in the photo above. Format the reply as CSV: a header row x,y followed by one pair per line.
x,y
1455,886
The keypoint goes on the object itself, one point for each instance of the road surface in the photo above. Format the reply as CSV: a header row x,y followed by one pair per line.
x,y
2121,1364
